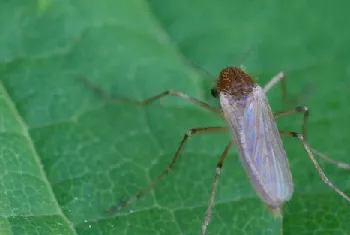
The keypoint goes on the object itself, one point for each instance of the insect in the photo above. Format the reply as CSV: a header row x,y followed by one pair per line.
x,y
245,108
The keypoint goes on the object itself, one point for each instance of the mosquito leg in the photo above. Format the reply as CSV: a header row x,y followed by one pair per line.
x,y
281,77
316,164
305,110
300,109
215,184
273,81
150,100
188,134
331,160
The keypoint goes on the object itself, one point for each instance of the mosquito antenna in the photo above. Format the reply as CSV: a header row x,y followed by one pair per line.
x,y
201,69
243,57
247,52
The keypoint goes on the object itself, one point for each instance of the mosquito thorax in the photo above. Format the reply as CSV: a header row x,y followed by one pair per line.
x,y
235,82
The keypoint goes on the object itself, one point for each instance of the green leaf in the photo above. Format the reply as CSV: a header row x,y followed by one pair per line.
x,y
68,154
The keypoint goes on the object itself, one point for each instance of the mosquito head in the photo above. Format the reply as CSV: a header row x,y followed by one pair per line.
x,y
235,82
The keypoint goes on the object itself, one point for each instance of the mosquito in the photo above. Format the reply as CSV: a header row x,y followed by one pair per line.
x,y
246,110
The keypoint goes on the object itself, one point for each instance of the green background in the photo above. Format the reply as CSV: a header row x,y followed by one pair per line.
x,y
67,154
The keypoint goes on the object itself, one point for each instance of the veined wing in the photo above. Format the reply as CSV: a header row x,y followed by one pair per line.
x,y
264,153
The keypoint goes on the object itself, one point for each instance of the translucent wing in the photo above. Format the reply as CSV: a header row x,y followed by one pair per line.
x,y
261,150
264,150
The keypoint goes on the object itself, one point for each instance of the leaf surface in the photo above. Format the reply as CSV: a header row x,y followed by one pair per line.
x,y
68,154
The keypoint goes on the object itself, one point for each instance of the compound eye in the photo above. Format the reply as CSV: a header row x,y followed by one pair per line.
x,y
214,92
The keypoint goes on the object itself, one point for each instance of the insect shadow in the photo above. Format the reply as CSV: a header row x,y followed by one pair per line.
x,y
245,108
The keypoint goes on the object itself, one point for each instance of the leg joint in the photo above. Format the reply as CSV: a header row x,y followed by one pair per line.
x,y
190,132
219,165
303,109
171,92
298,135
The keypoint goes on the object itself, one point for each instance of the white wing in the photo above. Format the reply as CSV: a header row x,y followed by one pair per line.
x,y
264,149
261,150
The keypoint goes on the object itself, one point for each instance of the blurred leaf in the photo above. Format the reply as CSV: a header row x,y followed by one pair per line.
x,y
68,155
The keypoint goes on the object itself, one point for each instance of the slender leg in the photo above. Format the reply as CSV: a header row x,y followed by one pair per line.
x,y
279,77
188,134
331,160
215,184
150,100
316,164
305,110
273,81
300,109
